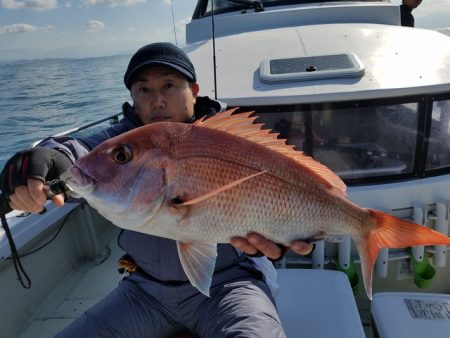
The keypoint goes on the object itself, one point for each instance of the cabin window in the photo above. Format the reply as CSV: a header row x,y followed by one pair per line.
x,y
366,141
438,155
355,142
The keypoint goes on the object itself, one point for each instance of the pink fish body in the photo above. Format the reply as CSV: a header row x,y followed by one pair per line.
x,y
205,183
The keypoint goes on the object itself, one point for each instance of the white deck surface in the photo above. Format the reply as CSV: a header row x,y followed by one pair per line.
x,y
80,290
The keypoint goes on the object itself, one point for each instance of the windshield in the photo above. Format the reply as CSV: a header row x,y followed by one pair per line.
x,y
366,141
204,7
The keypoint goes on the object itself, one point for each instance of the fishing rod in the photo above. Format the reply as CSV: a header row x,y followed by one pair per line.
x,y
213,28
173,23
52,188
257,5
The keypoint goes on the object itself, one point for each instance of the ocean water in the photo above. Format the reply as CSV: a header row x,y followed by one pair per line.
x,y
39,98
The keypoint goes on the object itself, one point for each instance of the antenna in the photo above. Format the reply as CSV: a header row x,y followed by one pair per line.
x,y
214,48
173,22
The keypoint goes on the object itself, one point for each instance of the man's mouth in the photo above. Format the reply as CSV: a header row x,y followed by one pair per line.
x,y
160,118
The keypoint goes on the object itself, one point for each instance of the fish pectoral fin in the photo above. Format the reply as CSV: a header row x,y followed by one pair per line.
x,y
198,261
322,236
218,190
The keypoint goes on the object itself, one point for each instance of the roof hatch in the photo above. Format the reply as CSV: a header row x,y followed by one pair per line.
x,y
311,68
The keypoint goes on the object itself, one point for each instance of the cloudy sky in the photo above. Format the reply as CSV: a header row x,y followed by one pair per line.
x,y
84,27
64,28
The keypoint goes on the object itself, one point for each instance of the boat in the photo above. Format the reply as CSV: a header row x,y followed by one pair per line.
x,y
343,82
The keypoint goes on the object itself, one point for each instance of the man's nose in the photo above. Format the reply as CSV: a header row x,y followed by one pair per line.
x,y
158,100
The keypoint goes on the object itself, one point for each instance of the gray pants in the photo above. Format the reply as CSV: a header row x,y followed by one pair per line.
x,y
242,308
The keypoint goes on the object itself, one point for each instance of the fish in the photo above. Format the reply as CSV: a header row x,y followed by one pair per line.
x,y
204,183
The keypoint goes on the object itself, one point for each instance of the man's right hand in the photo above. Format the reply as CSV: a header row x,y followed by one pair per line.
x,y
22,180
255,243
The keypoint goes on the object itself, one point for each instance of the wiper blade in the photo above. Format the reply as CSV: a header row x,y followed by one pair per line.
x,y
257,5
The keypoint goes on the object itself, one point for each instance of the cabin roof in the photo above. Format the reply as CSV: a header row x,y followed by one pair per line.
x,y
397,61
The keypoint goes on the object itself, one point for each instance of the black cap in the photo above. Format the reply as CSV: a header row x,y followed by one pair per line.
x,y
160,53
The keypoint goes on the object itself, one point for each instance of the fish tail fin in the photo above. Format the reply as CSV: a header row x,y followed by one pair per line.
x,y
391,232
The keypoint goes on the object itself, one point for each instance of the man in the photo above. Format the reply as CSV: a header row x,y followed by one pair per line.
x,y
156,299
406,8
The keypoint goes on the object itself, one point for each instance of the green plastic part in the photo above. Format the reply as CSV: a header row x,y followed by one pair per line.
x,y
352,275
424,272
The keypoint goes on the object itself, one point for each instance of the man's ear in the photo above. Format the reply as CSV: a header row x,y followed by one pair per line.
x,y
195,89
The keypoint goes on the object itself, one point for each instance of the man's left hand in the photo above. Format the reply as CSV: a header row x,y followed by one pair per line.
x,y
255,243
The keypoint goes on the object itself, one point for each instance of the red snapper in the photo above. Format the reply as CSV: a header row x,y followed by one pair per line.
x,y
205,183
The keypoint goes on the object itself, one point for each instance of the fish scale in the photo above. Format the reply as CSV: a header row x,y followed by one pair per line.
x,y
280,210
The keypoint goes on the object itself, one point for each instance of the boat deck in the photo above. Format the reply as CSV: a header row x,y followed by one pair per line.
x,y
89,282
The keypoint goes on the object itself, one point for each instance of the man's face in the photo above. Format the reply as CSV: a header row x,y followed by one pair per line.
x,y
162,94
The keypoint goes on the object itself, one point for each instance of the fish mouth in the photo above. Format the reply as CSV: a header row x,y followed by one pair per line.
x,y
78,180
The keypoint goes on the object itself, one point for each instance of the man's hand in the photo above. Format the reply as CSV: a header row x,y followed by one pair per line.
x,y
255,243
22,179
32,197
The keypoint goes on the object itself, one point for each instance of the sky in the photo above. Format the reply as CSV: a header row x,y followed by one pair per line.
x,y
64,28
67,28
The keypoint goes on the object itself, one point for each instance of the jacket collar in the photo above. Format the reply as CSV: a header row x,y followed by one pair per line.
x,y
204,106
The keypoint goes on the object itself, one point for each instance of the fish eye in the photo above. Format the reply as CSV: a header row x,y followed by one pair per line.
x,y
122,154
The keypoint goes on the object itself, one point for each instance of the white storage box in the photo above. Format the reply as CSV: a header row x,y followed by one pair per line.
x,y
411,315
317,304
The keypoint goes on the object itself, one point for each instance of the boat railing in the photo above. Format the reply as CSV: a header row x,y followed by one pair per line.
x,y
410,261
113,119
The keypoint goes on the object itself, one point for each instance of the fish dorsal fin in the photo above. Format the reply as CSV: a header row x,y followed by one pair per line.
x,y
242,125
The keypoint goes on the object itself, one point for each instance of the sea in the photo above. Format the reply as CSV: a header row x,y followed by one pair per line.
x,y
40,98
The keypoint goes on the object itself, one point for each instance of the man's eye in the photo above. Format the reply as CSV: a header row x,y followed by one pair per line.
x,y
143,90
168,85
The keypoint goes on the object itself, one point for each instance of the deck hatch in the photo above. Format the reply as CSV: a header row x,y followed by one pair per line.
x,y
305,68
